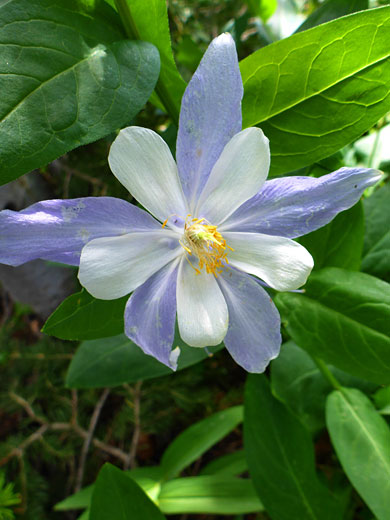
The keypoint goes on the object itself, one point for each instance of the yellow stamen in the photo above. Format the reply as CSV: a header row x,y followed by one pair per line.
x,y
204,241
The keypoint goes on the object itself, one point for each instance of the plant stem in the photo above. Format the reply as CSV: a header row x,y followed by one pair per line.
x,y
133,33
323,368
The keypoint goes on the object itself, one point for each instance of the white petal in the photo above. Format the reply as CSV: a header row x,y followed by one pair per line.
x,y
142,162
282,263
201,308
114,266
237,176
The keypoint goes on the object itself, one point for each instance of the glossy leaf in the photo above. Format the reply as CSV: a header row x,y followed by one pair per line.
x,y
330,10
298,383
221,495
361,439
281,461
344,318
113,361
116,495
316,91
340,243
197,439
376,253
62,91
81,316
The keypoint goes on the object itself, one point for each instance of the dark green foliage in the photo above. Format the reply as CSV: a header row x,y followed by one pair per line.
x,y
72,90
319,100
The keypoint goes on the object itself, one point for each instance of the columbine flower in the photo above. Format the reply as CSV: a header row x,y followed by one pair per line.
x,y
218,227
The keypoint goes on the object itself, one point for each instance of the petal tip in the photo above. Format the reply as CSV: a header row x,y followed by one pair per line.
x,y
223,39
173,358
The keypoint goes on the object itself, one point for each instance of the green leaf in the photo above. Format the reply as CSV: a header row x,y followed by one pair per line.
x,y
330,10
340,243
318,90
113,361
231,465
188,53
281,461
66,79
197,439
151,24
221,495
79,500
298,383
361,439
117,496
147,478
262,8
376,254
382,400
81,316
343,318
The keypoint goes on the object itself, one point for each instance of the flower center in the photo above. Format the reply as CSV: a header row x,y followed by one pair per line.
x,y
205,242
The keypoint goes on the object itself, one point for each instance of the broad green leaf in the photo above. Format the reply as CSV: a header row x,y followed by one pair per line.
x,y
188,53
361,439
81,316
113,361
330,10
151,24
79,500
117,496
376,253
232,464
318,90
197,439
146,477
280,456
67,78
382,400
221,495
298,383
344,318
340,243
262,8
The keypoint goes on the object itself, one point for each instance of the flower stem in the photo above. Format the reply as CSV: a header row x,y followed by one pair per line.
x,y
323,368
133,33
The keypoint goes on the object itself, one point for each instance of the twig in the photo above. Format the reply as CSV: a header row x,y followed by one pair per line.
x,y
27,408
19,450
73,419
82,175
131,458
68,176
88,439
39,355
71,426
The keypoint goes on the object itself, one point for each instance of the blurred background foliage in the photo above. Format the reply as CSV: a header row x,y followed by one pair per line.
x,y
43,426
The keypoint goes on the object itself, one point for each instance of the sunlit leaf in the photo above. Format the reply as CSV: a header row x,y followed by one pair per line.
x,y
318,90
